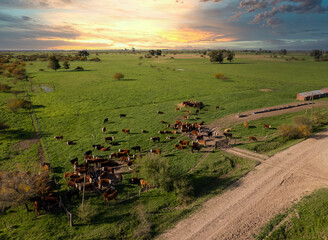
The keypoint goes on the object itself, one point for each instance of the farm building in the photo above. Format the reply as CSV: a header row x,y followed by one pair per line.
x,y
305,96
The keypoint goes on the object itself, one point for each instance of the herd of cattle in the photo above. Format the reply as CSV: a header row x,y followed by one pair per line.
x,y
100,173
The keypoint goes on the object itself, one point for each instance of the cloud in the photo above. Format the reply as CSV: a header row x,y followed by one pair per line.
x,y
211,1
281,6
34,3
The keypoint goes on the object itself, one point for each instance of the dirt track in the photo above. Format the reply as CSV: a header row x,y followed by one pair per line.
x,y
248,204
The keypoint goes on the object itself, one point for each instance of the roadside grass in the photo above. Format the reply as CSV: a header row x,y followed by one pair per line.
x,y
75,104
306,220
269,142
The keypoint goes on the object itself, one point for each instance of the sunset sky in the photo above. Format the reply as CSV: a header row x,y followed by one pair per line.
x,y
163,24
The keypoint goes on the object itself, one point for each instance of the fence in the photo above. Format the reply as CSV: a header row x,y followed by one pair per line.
x,y
38,130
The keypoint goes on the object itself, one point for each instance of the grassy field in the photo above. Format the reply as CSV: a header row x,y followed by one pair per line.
x,y
306,220
74,104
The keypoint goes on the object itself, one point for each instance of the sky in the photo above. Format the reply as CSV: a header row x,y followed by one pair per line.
x,y
163,24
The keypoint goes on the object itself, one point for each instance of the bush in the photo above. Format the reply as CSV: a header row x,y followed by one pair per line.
x,y
15,104
184,189
78,68
288,131
118,76
155,169
219,76
87,212
319,119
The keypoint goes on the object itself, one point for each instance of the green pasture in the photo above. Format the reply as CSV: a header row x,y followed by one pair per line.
x,y
75,103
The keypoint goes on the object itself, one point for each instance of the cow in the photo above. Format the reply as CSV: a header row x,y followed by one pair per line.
x,y
167,132
69,142
184,142
163,122
154,139
200,137
135,180
201,142
125,159
97,146
179,147
103,129
74,160
227,130
209,134
228,135
217,107
169,137
71,184
185,117
104,149
136,148
156,151
174,132
58,137
70,175
110,196
161,132
177,109
144,131
178,122
105,120
188,112
168,125
127,131
104,183
266,126
122,115
252,139
108,169
160,112
246,125
110,138
144,183
194,132
197,111
195,147
87,153
126,151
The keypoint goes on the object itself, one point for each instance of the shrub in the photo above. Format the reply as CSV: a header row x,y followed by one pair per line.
x,y
288,131
78,68
87,212
319,118
155,169
15,104
144,229
300,120
304,131
184,189
4,87
118,76
219,76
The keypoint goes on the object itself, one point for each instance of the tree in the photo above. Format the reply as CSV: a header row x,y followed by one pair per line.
x,y
152,52
283,52
53,63
230,55
316,53
83,53
158,52
66,65
217,55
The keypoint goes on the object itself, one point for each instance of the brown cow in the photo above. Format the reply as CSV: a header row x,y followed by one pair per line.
x,y
111,196
185,117
188,112
58,137
179,147
144,183
252,139
177,109
125,159
194,132
126,131
184,142
202,142
156,151
37,208
126,151
169,137
266,126
246,125
227,135
69,142
105,149
104,183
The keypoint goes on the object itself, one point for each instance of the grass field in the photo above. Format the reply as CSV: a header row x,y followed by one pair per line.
x,y
74,104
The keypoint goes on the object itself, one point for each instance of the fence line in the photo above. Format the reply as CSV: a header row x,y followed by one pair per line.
x,y
38,129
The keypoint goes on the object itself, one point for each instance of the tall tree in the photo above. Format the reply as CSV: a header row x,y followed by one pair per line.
x,y
158,52
53,63
83,53
316,53
217,55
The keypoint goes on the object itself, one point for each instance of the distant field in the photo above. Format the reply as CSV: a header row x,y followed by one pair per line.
x,y
74,104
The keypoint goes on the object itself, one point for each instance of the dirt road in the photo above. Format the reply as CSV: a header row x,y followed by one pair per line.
x,y
272,187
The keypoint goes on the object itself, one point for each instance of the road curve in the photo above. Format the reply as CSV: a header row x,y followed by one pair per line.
x,y
248,204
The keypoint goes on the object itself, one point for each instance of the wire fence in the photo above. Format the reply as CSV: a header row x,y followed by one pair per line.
x,y
44,146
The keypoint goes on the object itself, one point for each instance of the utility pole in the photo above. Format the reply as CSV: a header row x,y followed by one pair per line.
x,y
83,191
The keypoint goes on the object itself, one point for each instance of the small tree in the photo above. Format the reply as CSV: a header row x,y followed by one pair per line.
x,y
283,52
316,53
66,65
54,63
152,52
217,55
118,76
158,52
230,55
87,211
83,53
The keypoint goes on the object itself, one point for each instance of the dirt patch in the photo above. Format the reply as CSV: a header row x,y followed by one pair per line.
x,y
25,144
267,90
